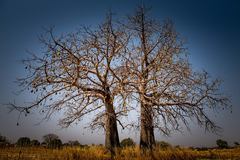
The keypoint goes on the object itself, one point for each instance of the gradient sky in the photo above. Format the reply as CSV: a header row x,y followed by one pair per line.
x,y
213,27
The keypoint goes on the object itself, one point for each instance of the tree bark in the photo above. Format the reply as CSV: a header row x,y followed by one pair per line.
x,y
111,136
147,140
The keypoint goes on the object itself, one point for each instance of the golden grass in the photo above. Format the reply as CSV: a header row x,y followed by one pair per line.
x,y
98,153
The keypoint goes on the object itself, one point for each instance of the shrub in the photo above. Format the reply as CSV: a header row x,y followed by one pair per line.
x,y
202,149
3,138
76,144
127,142
178,147
85,146
35,143
191,148
23,142
163,145
222,144
55,144
44,143
66,144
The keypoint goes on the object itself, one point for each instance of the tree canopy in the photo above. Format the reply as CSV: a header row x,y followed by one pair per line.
x,y
222,144
163,82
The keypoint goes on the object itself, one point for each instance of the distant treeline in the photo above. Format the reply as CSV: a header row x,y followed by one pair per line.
x,y
52,141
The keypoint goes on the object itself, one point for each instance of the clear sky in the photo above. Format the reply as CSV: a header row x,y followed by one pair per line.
x,y
213,27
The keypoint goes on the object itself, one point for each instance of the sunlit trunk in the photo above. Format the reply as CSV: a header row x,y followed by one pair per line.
x,y
111,136
147,140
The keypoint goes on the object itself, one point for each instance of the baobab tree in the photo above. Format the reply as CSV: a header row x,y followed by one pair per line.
x,y
162,81
48,137
75,75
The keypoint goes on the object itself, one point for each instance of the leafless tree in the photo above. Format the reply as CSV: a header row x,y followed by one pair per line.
x,y
163,82
76,74
48,137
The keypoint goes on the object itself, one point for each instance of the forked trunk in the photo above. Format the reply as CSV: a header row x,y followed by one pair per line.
x,y
111,136
147,140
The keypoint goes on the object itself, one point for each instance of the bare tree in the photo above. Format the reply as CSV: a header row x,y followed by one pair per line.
x,y
76,75
163,82
48,137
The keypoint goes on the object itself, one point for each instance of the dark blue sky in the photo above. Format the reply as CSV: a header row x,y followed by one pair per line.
x,y
213,28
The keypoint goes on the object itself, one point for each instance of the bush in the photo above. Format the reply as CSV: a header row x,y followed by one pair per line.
x,y
76,144
85,146
191,148
3,138
202,149
66,144
222,144
44,143
127,142
55,144
178,147
23,142
163,145
35,143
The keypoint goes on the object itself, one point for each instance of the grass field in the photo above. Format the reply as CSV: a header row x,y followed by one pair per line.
x,y
98,153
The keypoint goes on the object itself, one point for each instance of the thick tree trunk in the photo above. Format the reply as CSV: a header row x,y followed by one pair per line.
x,y
111,136
147,140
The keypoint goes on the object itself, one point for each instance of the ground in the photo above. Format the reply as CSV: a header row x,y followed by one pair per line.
x,y
98,153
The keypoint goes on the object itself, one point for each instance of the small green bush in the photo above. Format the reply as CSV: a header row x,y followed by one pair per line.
x,y
127,142
222,144
23,142
163,145
55,144
202,149
85,146
178,147
66,144
76,144
35,143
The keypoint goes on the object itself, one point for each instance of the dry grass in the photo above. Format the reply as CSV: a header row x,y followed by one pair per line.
x,y
98,153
